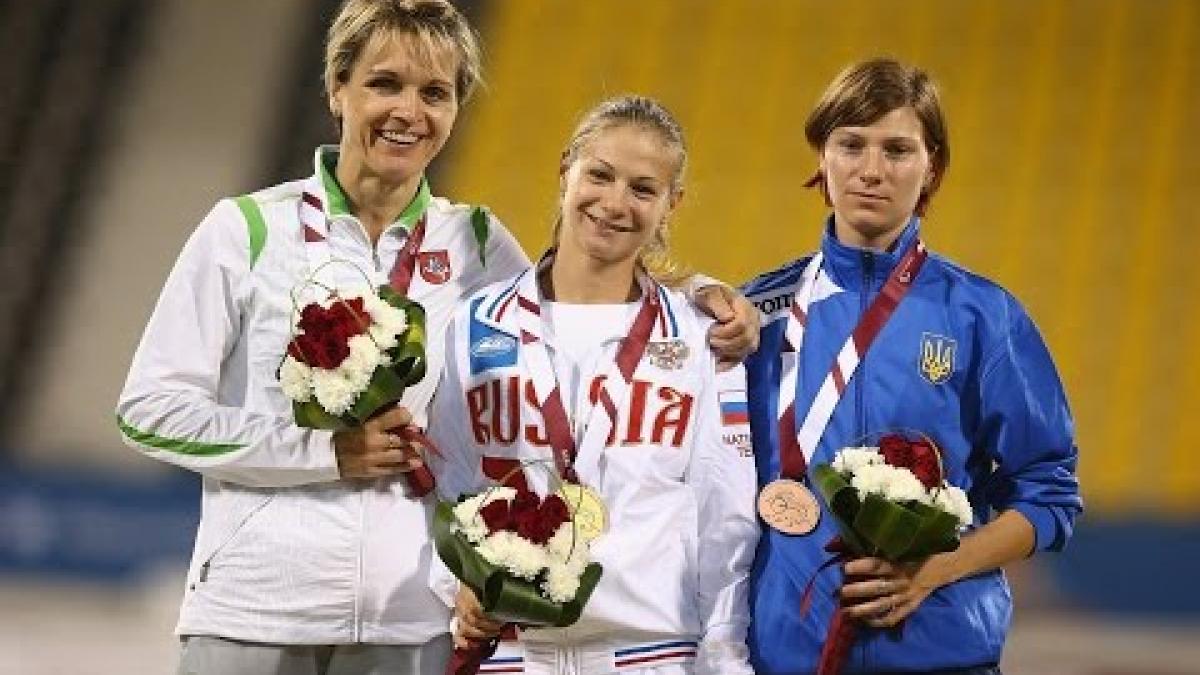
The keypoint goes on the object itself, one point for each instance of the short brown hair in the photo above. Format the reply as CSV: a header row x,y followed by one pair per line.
x,y
868,90
436,22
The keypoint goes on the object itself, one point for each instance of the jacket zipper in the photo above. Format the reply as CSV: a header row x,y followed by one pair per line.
x,y
868,281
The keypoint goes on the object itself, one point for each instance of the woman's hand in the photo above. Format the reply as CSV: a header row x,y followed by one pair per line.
x,y
889,592
883,594
735,334
373,450
471,621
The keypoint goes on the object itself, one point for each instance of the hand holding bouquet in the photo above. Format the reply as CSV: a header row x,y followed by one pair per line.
x,y
524,557
351,356
889,501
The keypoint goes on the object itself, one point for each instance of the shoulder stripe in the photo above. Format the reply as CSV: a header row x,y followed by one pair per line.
x,y
255,225
776,279
175,445
482,228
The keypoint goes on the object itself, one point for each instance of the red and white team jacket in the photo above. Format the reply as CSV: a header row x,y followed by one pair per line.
x,y
286,551
678,482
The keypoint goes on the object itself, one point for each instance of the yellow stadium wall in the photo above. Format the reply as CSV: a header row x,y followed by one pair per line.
x,y
1073,132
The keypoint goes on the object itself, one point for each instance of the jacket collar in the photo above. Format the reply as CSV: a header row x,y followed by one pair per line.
x,y
499,308
325,187
851,267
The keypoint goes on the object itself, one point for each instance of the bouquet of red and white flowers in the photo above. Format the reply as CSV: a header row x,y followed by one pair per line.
x,y
526,558
890,501
351,355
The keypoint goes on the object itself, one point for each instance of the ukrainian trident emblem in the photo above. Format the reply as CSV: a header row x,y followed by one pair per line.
x,y
937,357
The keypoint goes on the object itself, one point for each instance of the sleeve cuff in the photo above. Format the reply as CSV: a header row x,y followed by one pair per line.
x,y
320,447
1046,531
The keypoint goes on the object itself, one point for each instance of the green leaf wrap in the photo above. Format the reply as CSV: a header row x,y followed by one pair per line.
x,y
502,595
875,526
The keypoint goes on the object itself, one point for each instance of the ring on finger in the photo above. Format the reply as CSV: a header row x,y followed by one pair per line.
x,y
886,611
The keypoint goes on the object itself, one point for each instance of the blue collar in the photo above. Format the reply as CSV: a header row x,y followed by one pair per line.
x,y
851,267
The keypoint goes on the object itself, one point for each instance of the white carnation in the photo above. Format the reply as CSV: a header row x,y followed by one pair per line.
x,y
523,558
388,322
383,337
890,482
296,379
567,547
334,392
906,487
954,501
470,523
527,559
562,582
850,460
360,365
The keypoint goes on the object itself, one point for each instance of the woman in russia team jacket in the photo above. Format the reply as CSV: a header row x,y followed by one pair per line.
x,y
589,325
958,360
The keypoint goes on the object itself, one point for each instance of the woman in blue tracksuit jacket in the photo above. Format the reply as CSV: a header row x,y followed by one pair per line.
x,y
958,360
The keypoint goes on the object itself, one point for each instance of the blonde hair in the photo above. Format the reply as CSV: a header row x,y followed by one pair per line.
x,y
435,22
644,113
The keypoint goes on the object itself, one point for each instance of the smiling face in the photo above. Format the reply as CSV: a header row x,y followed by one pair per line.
x,y
618,189
875,175
397,106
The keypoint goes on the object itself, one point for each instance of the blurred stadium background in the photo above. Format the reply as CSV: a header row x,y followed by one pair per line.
x,y
1074,163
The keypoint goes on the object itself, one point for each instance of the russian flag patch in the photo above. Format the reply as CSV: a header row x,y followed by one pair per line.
x,y
734,410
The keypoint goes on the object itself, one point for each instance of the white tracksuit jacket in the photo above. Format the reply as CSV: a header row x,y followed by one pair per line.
x,y
679,485
286,552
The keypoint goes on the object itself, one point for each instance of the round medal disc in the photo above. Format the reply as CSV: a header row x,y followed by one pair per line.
x,y
587,510
789,507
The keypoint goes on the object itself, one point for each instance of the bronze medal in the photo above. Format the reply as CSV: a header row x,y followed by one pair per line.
x,y
789,507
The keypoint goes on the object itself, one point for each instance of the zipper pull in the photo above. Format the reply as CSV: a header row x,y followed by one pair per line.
x,y
204,572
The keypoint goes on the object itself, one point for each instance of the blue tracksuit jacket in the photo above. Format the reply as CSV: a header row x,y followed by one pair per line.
x,y
961,361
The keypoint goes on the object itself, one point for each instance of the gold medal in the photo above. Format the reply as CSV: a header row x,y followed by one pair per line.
x,y
587,510
789,507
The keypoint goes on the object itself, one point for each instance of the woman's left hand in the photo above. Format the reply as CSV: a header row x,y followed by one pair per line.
x,y
735,334
882,594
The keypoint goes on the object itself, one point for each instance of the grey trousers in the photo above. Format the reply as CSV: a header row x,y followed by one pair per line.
x,y
203,655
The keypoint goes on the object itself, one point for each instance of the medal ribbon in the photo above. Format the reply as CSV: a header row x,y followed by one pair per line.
x,y
316,232
613,386
796,447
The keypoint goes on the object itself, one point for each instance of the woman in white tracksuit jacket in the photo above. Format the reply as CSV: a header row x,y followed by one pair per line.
x,y
312,556
642,399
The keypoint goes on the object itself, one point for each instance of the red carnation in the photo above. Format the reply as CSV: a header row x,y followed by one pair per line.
x,y
524,502
325,340
497,516
925,465
325,351
535,527
348,318
554,510
896,451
